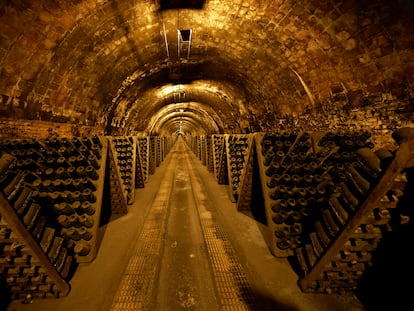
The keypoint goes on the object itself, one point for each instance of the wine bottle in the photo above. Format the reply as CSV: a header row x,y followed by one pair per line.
x,y
86,220
63,208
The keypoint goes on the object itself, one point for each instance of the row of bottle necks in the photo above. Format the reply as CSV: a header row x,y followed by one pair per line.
x,y
25,275
356,173
338,188
125,163
310,201
74,221
34,219
289,224
63,147
50,152
294,186
65,156
305,142
65,190
60,172
339,137
310,162
289,231
303,146
79,201
54,142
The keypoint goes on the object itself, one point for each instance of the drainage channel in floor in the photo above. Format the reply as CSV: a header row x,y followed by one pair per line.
x,y
233,288
232,284
138,282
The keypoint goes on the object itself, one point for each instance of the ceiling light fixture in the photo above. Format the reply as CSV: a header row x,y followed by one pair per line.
x,y
184,40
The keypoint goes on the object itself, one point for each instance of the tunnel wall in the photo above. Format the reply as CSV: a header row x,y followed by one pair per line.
x,y
381,114
12,128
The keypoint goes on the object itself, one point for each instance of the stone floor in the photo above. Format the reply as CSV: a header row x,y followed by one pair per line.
x,y
183,275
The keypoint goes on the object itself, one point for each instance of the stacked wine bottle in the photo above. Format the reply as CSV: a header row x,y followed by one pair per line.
x,y
219,158
143,146
237,146
209,153
153,154
330,197
36,259
64,176
307,178
124,154
366,206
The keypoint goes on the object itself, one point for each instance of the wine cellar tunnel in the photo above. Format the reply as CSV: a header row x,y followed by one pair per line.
x,y
289,123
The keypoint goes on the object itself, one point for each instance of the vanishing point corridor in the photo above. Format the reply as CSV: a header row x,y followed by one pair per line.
x,y
183,259
206,155
183,246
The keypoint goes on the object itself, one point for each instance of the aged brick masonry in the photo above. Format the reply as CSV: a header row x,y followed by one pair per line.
x,y
303,110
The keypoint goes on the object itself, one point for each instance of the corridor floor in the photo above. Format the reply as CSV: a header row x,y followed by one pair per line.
x,y
184,246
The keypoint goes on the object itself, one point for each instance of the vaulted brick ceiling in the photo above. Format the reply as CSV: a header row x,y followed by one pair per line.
x,y
115,63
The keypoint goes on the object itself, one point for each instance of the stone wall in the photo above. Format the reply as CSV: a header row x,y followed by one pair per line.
x,y
11,128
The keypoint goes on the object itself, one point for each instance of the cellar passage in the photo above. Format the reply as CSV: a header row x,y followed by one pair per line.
x,y
301,111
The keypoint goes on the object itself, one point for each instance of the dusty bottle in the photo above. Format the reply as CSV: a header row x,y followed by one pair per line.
x,y
86,183
92,159
273,169
85,234
63,208
282,244
279,205
274,181
91,173
72,233
268,158
87,207
280,217
67,221
96,141
362,184
86,141
267,143
348,198
86,221
96,150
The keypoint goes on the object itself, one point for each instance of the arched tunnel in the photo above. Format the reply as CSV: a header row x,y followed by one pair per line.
x,y
210,96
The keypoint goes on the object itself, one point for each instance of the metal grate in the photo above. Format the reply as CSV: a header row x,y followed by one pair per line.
x,y
137,284
232,285
233,288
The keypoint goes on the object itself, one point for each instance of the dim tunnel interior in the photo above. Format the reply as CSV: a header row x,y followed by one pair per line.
x,y
294,122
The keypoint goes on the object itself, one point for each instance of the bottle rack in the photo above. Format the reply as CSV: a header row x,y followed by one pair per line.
x,y
168,144
244,201
67,176
202,149
143,144
192,143
35,261
118,196
238,149
304,177
220,159
338,263
159,152
123,152
139,173
209,154
50,206
153,155
329,199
